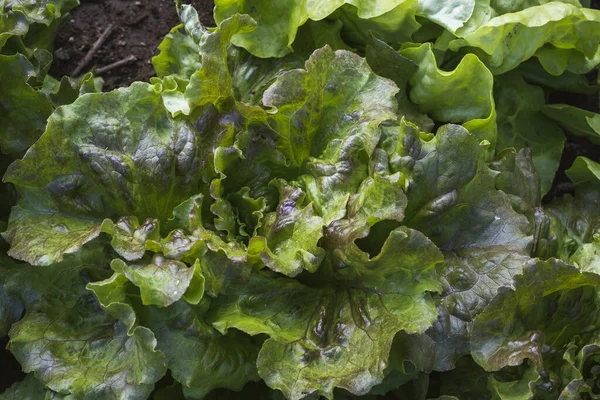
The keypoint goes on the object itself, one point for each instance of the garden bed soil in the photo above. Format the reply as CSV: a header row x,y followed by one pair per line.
x,y
139,27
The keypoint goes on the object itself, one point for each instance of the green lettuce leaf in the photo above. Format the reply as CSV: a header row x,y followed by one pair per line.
x,y
287,241
179,56
570,230
200,357
522,124
575,120
586,171
24,110
112,168
453,200
538,311
563,36
31,388
278,24
42,12
348,324
580,372
66,333
462,96
162,282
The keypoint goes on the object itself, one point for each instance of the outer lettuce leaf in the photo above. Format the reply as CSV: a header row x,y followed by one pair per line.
x,y
42,12
12,23
463,95
575,120
519,179
348,324
569,230
395,26
66,334
200,357
452,15
547,29
452,198
585,171
541,319
451,96
278,23
522,124
24,110
32,389
533,72
116,166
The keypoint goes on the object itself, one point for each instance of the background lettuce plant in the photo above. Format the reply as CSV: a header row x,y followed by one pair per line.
x,y
351,210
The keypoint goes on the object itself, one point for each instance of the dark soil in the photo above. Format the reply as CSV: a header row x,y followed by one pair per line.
x,y
139,27
10,370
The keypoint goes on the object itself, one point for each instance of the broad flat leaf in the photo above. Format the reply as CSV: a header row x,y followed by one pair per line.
x,y
335,94
584,171
65,333
499,42
452,15
31,388
451,193
519,179
538,311
24,110
575,120
394,26
462,96
107,155
349,318
454,96
12,23
453,200
522,124
199,357
278,23
533,72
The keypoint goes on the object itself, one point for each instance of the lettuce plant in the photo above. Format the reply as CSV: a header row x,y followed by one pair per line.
x,y
332,213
